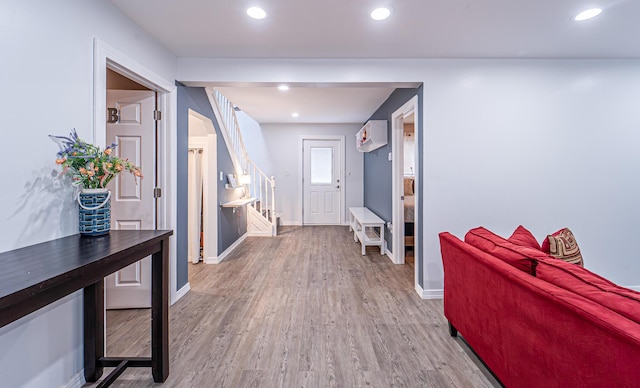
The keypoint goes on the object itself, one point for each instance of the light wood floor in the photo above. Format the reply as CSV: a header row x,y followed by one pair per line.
x,y
304,309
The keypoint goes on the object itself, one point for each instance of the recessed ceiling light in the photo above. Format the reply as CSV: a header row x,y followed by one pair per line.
x,y
295,114
284,88
380,13
256,13
588,14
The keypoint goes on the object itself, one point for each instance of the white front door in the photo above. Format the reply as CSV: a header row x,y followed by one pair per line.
x,y
321,182
133,205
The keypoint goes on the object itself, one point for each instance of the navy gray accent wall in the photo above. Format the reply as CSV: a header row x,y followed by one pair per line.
x,y
231,226
377,167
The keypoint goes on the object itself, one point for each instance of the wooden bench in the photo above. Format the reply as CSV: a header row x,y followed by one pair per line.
x,y
367,228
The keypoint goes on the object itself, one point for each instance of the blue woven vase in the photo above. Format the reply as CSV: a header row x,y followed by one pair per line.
x,y
94,209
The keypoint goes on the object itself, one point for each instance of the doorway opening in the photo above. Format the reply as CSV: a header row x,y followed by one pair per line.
x,y
202,191
409,180
131,125
134,78
405,185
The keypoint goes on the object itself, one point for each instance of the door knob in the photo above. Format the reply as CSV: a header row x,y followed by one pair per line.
x,y
337,187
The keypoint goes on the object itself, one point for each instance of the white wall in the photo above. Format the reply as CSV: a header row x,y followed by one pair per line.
x,y
254,142
543,143
47,81
283,141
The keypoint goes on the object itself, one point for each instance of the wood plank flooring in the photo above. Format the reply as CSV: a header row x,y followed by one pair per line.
x,y
303,309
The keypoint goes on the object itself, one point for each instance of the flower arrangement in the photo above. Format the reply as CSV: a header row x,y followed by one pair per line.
x,y
89,166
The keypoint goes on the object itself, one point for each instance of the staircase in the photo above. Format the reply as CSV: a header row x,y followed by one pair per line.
x,y
262,218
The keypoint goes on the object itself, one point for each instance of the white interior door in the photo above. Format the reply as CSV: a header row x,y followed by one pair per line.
x,y
321,182
132,202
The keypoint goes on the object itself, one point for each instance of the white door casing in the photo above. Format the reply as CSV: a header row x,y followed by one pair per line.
x,y
322,182
397,128
132,202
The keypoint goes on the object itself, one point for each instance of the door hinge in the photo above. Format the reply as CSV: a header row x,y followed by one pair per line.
x,y
157,192
157,115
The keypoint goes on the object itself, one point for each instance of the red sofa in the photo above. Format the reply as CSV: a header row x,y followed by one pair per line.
x,y
582,331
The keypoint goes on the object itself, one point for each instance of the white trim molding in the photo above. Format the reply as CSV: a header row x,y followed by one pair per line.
x,y
181,292
429,294
389,253
290,223
223,255
212,260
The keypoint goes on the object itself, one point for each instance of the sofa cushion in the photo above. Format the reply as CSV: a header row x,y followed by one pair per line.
x,y
521,257
622,300
521,236
562,245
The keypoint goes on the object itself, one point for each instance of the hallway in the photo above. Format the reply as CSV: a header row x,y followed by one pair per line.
x,y
304,308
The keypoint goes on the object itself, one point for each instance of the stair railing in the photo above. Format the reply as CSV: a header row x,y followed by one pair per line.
x,y
262,187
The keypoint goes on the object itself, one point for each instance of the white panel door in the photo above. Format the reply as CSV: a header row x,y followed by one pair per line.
x,y
321,182
132,202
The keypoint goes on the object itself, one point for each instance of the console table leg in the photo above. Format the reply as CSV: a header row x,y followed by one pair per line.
x,y
160,314
93,330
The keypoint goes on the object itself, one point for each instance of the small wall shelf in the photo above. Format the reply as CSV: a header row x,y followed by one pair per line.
x,y
238,202
372,135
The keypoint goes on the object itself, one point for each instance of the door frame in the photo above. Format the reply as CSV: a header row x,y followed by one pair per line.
x,y
343,196
209,186
397,186
105,57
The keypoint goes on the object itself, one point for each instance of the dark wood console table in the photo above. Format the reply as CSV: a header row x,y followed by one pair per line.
x,y
35,276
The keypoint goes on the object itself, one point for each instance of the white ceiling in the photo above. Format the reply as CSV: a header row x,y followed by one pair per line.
x,y
416,29
314,104
343,29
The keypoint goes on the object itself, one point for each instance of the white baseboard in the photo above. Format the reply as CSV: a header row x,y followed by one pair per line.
x,y
223,255
290,223
429,294
182,292
259,234
212,260
77,381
